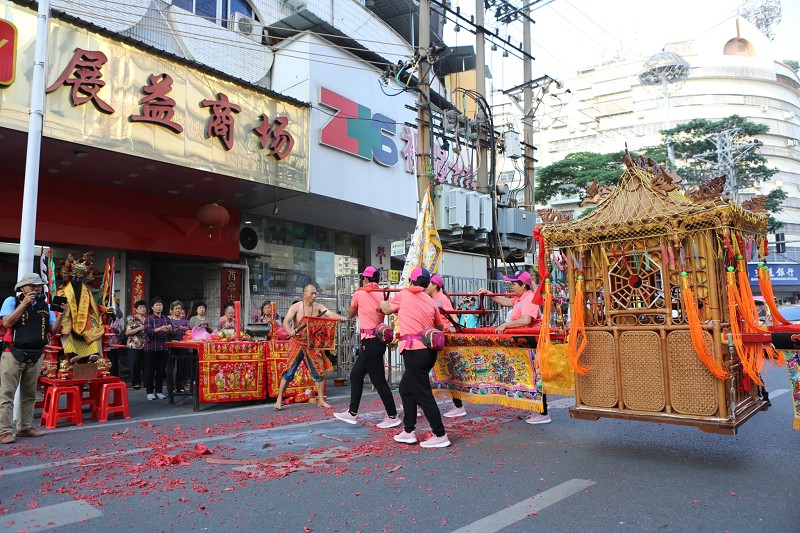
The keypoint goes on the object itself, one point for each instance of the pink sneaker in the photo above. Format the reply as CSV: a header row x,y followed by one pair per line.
x,y
387,422
345,416
537,418
436,442
455,412
408,438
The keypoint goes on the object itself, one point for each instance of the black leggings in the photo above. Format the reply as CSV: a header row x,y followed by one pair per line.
x,y
370,361
135,357
415,390
155,364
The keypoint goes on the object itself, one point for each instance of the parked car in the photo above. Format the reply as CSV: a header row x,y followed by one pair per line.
x,y
791,313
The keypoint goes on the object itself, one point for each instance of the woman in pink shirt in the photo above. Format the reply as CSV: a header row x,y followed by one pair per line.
x,y
416,312
440,298
524,313
366,303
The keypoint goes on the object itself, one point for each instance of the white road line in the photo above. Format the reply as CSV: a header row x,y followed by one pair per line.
x,y
49,516
520,511
777,392
563,403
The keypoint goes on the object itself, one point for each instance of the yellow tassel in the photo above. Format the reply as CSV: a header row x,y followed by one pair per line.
x,y
695,328
576,327
499,399
544,344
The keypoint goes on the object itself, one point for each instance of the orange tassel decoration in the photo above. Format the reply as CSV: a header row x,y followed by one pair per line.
x,y
765,285
544,344
576,327
696,329
746,301
746,352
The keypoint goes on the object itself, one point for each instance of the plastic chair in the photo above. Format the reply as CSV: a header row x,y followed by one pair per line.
x,y
104,407
52,413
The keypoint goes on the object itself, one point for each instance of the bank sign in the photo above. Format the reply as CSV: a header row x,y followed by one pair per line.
x,y
781,274
359,131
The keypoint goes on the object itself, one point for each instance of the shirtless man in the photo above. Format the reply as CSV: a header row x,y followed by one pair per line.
x,y
317,363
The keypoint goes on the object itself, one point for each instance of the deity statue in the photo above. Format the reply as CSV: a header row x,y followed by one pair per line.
x,y
82,327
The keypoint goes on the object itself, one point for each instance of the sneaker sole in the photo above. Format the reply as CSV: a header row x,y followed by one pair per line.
x,y
392,425
354,422
440,445
454,416
406,441
538,422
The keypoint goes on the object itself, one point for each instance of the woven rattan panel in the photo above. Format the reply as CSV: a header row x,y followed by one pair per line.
x,y
599,386
642,371
692,387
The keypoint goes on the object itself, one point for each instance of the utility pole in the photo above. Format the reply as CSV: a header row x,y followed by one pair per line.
x,y
726,155
424,151
480,88
527,120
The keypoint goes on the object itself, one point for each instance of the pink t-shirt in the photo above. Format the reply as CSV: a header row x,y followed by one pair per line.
x,y
443,301
523,305
367,301
415,312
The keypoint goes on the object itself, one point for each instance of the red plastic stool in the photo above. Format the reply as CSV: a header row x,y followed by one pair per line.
x,y
105,407
51,412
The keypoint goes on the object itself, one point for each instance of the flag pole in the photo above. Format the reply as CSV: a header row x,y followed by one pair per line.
x,y
27,232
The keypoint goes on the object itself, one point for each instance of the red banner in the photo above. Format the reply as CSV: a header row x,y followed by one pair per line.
x,y
230,287
8,52
137,287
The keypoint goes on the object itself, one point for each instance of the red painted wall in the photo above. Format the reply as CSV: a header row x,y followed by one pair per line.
x,y
82,214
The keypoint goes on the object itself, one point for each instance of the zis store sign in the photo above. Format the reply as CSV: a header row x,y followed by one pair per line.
x,y
355,129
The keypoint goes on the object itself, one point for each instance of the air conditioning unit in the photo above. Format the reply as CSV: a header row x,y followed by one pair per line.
x,y
764,108
247,26
251,240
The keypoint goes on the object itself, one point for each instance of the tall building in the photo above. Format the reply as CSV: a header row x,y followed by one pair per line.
x,y
732,70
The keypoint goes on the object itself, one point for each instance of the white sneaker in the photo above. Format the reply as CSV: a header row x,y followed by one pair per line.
x,y
408,438
537,418
436,442
345,416
161,396
151,396
387,422
455,412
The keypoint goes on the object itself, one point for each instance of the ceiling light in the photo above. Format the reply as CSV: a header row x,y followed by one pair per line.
x,y
150,167
53,170
173,191
133,175
247,222
208,178
81,153
189,185
117,182
66,163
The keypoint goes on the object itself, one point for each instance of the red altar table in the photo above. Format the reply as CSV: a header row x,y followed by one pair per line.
x,y
228,371
277,364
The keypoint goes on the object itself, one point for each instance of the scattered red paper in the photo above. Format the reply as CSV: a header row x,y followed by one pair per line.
x,y
146,424
307,529
202,449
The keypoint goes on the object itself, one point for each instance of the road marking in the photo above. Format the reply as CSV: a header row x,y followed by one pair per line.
x,y
49,516
563,403
520,511
778,392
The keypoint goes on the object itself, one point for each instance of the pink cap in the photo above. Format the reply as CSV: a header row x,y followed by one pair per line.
x,y
419,272
437,280
521,276
369,272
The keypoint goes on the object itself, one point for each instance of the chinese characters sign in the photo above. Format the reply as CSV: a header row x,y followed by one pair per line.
x,y
230,287
137,287
8,52
781,274
126,100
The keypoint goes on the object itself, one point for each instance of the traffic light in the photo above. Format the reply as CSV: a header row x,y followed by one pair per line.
x,y
780,243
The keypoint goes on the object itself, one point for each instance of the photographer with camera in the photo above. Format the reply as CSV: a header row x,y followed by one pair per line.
x,y
28,321
468,303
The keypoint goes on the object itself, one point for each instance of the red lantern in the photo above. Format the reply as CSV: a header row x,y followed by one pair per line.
x,y
213,216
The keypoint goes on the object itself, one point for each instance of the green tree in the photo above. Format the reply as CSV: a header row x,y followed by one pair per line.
x,y
573,174
793,63
774,205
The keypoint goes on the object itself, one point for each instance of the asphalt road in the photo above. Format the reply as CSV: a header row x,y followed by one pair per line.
x,y
300,470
